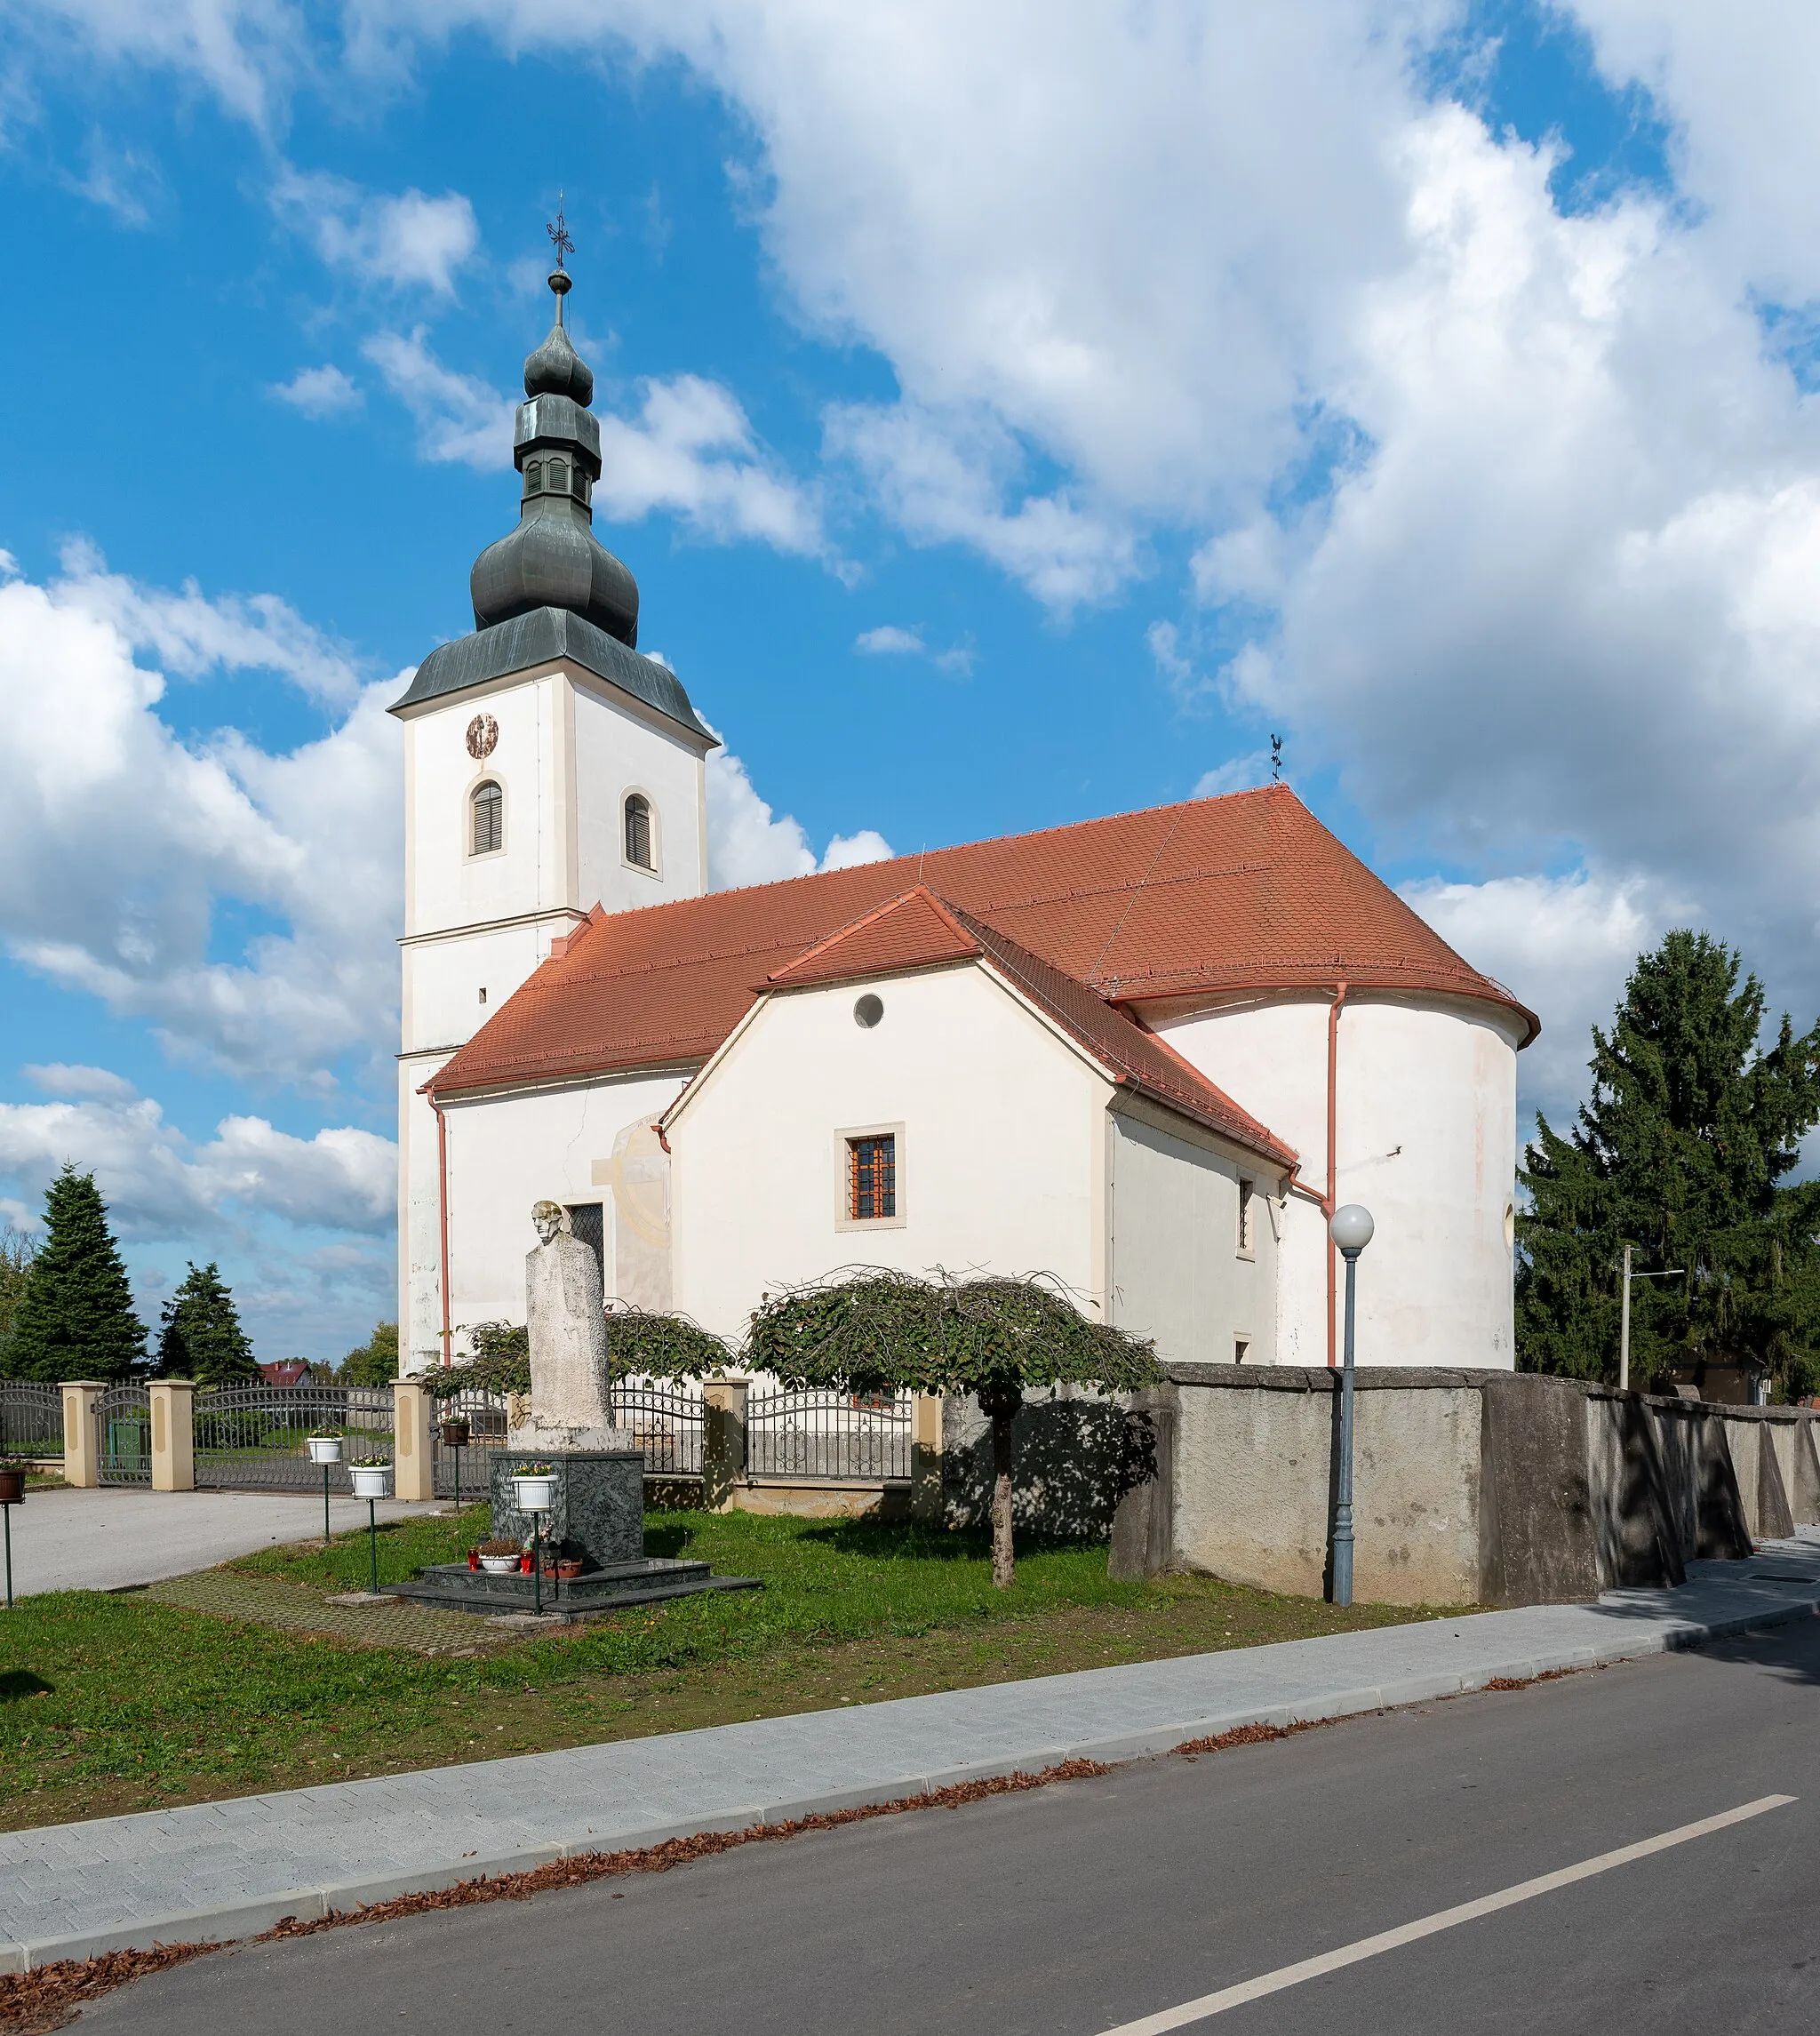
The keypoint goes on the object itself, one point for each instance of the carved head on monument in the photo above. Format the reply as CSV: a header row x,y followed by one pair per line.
x,y
551,1220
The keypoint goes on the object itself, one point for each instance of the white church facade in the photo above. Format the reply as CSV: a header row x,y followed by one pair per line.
x,y
1143,1054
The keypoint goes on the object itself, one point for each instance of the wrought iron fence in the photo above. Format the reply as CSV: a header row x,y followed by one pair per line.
x,y
666,1422
485,1416
124,1435
829,1436
256,1437
31,1418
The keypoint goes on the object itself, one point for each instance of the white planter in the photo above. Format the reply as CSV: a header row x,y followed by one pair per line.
x,y
498,1565
325,1448
534,1494
374,1483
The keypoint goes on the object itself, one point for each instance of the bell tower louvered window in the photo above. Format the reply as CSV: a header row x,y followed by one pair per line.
x,y
638,830
489,818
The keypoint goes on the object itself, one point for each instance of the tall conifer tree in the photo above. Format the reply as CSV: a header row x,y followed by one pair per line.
x,y
1681,1151
75,1318
201,1336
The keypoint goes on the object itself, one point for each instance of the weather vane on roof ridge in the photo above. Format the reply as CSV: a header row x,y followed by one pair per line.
x,y
559,233
1276,760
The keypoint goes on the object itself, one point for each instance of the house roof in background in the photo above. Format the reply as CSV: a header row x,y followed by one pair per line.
x,y
1245,892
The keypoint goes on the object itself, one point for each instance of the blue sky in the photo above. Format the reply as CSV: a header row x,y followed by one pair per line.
x,y
1018,420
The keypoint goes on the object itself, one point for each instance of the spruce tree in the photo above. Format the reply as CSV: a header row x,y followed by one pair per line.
x,y
1681,1151
201,1336
74,1319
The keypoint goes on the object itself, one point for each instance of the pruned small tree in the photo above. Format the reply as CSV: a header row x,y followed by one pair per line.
x,y
871,1330
640,1344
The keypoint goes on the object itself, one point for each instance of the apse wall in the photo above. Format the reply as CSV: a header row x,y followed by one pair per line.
x,y
1426,1140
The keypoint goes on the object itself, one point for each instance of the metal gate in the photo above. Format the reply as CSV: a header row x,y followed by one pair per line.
x,y
31,1419
255,1438
124,1435
485,1416
666,1423
830,1436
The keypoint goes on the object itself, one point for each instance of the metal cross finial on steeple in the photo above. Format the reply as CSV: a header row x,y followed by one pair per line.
x,y
558,232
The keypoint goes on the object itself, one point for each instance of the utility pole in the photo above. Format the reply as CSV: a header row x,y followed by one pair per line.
x,y
1623,1333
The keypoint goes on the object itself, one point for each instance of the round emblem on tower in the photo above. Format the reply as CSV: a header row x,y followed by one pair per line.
x,y
483,736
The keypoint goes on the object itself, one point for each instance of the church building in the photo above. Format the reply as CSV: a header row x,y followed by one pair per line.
x,y
1145,1054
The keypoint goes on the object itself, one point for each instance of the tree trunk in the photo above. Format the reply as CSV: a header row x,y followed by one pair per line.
x,y
1003,1558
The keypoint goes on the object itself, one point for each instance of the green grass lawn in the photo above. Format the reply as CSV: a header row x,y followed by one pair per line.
x,y
117,1702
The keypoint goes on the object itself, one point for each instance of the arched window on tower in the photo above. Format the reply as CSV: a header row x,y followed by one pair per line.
x,y
489,818
638,830
559,477
534,476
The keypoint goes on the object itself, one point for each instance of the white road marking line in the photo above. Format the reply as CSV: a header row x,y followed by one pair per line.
x,y
1444,1919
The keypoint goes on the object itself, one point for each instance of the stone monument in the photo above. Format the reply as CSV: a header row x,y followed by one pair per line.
x,y
566,1327
598,1516
596,1519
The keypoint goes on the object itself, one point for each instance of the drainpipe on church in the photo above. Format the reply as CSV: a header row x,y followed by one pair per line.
x,y
442,1213
1329,1205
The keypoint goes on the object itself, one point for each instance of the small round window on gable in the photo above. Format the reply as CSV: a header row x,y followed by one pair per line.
x,y
868,1009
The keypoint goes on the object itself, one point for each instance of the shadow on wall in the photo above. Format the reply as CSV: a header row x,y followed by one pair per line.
x,y
1073,1460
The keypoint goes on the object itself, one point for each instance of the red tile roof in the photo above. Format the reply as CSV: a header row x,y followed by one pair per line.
x,y
1245,892
913,930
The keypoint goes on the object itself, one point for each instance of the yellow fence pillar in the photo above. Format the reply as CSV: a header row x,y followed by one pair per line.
x,y
723,1441
173,1434
82,1459
413,1462
926,1458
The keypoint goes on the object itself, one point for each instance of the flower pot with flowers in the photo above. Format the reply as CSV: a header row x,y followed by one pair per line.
x,y
500,1557
372,1477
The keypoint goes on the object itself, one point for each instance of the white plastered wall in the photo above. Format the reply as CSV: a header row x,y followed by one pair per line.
x,y
1426,1140
1002,1152
507,1152
1177,1272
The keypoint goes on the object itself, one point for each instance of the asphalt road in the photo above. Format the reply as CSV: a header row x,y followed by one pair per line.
x,y
1086,1907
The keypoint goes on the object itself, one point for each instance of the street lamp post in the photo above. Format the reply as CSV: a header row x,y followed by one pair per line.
x,y
1351,1229
1624,1330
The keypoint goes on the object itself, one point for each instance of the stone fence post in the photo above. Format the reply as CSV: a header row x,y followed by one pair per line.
x,y
82,1461
926,1459
413,1462
173,1434
722,1440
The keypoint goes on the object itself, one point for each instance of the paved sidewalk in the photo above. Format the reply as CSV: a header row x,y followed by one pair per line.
x,y
228,1870
118,1537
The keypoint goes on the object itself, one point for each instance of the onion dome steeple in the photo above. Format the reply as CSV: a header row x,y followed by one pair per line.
x,y
552,559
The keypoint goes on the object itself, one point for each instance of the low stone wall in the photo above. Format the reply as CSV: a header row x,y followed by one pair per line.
x,y
1469,1486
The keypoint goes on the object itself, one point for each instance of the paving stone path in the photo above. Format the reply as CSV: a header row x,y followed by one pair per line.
x,y
300,1609
215,1871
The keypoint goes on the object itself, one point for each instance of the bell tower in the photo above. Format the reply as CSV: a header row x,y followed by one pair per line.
x,y
548,768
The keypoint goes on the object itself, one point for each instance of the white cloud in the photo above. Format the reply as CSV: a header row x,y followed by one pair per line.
x,y
98,1084
888,641
947,478
1236,774
117,841
159,1185
848,852
690,450
459,417
192,634
320,392
1565,945
747,844
406,240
